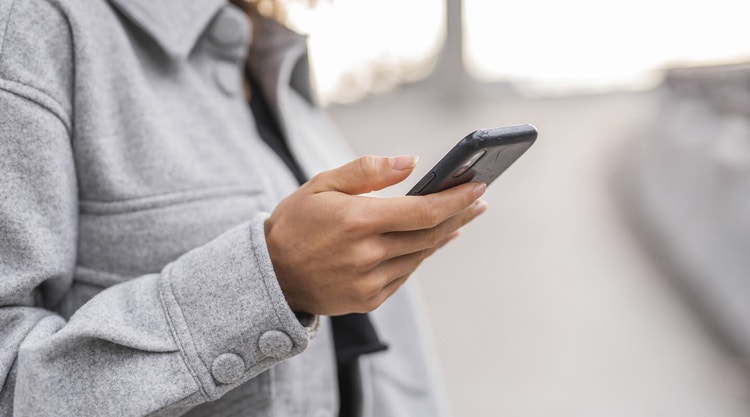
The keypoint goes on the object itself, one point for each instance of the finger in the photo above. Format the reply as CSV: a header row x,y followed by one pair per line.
x,y
391,288
423,212
402,268
365,174
401,243
398,267
406,264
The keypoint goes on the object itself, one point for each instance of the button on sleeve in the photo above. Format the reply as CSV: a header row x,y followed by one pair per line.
x,y
227,368
227,311
275,344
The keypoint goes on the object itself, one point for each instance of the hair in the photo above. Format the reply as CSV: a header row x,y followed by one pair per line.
x,y
270,8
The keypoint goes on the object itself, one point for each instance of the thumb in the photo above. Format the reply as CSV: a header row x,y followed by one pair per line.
x,y
365,174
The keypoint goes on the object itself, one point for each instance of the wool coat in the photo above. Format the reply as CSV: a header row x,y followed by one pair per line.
x,y
134,274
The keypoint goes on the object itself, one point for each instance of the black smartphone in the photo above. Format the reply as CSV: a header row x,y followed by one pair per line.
x,y
481,156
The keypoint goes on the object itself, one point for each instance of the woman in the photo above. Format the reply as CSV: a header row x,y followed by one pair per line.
x,y
140,271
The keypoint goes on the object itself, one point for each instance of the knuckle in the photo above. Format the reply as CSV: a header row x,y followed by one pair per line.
x,y
373,303
368,164
381,298
319,182
434,237
366,290
374,253
467,214
355,221
318,178
429,215
372,289
366,256
468,199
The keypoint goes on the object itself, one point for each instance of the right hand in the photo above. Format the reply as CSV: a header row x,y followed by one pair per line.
x,y
336,252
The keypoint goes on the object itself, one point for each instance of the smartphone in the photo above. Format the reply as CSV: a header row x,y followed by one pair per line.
x,y
480,156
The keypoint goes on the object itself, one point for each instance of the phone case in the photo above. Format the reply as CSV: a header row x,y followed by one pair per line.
x,y
480,156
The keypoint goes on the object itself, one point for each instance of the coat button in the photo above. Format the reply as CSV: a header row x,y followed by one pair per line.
x,y
230,28
227,368
228,77
275,344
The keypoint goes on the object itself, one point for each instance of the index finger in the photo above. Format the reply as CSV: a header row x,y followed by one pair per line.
x,y
417,212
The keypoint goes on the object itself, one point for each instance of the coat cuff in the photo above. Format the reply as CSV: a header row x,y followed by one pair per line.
x,y
227,312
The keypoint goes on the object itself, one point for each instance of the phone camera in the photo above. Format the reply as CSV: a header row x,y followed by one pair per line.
x,y
469,163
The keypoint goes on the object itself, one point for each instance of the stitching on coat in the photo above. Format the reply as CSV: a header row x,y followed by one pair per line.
x,y
168,199
5,30
258,262
39,98
167,275
7,85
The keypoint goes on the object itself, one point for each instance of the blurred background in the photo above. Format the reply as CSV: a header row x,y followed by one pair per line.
x,y
611,275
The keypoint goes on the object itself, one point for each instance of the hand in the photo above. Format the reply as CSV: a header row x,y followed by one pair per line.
x,y
336,252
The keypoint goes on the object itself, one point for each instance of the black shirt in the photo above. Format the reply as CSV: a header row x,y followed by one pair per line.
x,y
353,334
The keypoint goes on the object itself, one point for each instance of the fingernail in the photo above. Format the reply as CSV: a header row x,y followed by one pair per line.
x,y
403,162
481,207
479,189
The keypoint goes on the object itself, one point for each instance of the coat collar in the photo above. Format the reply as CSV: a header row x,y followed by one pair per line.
x,y
274,54
175,25
277,58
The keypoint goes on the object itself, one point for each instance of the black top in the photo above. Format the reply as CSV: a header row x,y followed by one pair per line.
x,y
270,132
353,334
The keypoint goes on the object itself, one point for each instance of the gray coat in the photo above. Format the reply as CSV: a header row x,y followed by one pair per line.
x,y
134,276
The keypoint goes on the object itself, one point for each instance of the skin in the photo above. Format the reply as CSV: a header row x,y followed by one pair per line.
x,y
336,252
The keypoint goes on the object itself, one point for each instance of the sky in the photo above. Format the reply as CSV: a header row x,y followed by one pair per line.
x,y
547,47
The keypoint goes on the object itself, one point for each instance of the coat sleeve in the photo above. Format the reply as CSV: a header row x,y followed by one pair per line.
x,y
161,343
209,321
